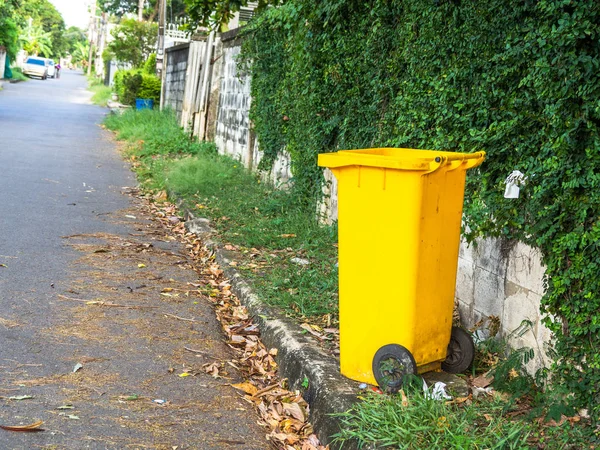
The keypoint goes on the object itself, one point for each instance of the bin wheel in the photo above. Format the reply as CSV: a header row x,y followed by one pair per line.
x,y
391,364
461,351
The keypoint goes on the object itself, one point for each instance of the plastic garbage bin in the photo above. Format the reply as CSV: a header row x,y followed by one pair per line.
x,y
399,219
144,103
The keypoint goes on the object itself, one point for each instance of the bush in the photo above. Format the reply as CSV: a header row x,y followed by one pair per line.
x,y
134,83
150,65
150,87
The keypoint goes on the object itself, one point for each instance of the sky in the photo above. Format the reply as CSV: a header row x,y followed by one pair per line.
x,y
75,12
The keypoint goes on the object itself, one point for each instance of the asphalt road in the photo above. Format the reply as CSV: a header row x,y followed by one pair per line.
x,y
69,231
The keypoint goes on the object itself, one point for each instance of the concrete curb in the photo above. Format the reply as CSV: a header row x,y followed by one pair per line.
x,y
300,359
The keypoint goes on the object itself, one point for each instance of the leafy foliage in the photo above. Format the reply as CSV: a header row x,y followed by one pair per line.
x,y
175,8
47,17
133,41
213,13
9,33
135,83
150,65
35,40
517,79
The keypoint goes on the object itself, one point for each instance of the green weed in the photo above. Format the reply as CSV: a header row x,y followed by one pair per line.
x,y
417,422
17,74
101,92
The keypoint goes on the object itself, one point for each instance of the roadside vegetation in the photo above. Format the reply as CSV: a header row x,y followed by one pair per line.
x,y
274,235
17,74
507,408
101,92
288,256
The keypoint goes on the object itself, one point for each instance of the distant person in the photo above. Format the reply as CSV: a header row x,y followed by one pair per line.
x,y
57,67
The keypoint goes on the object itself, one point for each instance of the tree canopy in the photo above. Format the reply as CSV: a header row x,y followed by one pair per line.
x,y
48,19
8,28
213,13
175,8
133,41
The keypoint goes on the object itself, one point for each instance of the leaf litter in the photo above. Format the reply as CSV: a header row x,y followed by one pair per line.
x,y
283,413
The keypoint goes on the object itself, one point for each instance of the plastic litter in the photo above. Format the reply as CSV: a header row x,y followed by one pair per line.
x,y
513,181
438,392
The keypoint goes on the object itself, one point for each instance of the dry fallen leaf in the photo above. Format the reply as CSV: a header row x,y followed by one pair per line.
x,y
483,381
26,428
247,387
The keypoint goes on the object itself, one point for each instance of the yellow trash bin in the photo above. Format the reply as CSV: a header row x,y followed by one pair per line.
x,y
399,219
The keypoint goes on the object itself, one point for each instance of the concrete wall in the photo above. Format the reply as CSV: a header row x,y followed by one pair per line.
x,y
2,61
175,74
229,108
504,280
232,134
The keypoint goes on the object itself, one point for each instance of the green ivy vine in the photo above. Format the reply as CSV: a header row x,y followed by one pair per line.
x,y
520,80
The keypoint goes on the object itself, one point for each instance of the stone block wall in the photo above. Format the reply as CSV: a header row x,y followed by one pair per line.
x,y
232,134
504,280
175,74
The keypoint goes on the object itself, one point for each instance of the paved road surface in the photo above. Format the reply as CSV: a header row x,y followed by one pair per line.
x,y
69,232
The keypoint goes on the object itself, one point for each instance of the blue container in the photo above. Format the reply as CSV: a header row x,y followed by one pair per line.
x,y
144,103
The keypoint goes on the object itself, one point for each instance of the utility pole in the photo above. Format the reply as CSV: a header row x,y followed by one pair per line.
x,y
141,10
91,32
160,50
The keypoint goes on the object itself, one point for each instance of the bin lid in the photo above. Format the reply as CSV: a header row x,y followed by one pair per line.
x,y
397,158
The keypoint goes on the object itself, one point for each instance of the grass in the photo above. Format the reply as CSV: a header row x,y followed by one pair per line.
x,y
270,227
18,74
416,422
101,92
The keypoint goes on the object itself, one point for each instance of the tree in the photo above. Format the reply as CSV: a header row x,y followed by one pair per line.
x,y
79,54
9,33
175,8
35,40
133,41
45,15
214,13
74,36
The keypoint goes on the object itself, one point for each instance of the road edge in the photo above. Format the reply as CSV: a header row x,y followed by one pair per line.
x,y
307,368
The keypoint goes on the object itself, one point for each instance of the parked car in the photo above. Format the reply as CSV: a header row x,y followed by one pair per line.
x,y
51,68
36,67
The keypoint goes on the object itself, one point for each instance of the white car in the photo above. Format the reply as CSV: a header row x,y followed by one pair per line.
x,y
51,68
36,67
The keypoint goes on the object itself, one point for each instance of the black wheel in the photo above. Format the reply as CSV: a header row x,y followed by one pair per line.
x,y
391,364
461,351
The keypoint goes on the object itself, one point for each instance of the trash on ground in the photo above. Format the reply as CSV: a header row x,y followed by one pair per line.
x,y
438,392
21,397
77,367
300,261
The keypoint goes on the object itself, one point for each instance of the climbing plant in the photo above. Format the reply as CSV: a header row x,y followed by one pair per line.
x,y
520,80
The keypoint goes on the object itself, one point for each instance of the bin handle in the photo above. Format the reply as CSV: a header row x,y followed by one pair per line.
x,y
470,159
